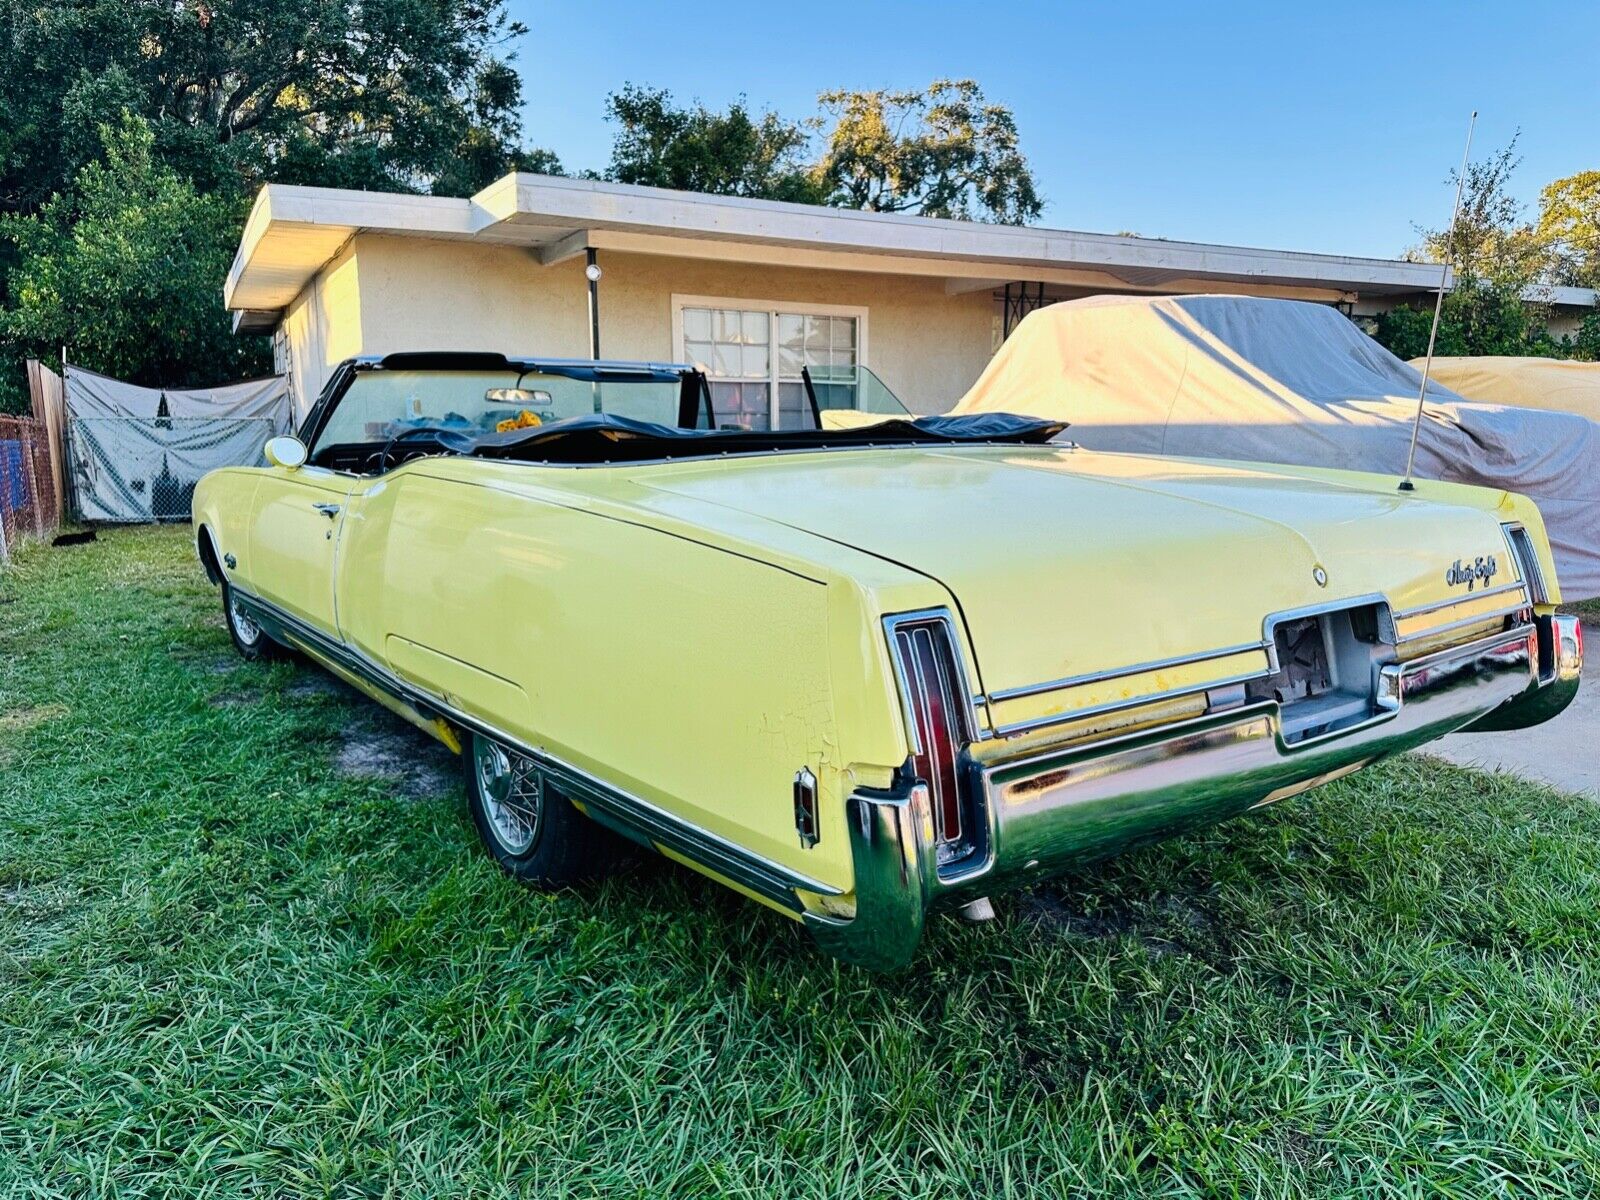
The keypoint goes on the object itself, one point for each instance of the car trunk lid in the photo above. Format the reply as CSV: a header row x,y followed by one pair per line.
x,y
1066,563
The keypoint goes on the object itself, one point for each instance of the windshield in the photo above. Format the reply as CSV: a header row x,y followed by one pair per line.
x,y
381,405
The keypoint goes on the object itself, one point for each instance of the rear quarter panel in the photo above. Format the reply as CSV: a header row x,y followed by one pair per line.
x,y
689,674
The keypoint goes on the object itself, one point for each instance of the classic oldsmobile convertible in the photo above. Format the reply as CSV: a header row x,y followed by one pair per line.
x,y
859,673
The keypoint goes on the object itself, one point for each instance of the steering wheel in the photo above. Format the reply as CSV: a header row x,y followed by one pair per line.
x,y
379,462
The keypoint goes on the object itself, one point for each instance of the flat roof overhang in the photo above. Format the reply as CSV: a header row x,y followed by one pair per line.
x,y
292,232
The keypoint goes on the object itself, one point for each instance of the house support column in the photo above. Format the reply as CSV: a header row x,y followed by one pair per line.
x,y
591,272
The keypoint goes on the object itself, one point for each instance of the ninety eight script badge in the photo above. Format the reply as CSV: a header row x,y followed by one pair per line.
x,y
1479,570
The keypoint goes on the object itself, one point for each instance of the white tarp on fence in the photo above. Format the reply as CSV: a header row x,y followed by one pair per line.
x,y
136,452
1284,381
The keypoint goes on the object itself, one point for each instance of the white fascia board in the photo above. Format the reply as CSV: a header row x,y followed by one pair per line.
x,y
1562,297
270,268
600,205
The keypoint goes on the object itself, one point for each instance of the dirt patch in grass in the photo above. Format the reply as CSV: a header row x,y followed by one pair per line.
x,y
1164,925
23,719
35,901
309,683
208,662
382,746
1056,915
239,699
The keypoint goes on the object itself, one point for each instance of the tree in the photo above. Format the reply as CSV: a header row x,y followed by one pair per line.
x,y
1569,224
732,153
1480,316
387,94
126,270
1490,238
1586,346
942,153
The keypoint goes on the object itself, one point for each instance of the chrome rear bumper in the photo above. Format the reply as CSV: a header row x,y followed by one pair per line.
x,y
1059,809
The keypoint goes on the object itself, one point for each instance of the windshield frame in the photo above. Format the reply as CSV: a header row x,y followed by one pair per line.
x,y
694,394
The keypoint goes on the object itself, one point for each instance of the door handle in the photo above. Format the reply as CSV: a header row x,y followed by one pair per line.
x,y
328,510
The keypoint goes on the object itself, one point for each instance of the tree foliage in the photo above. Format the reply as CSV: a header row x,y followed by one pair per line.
x,y
384,94
1480,316
946,152
733,153
1501,259
126,269
1490,239
219,96
1569,225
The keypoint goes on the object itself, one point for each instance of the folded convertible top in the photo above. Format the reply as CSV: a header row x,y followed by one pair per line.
x,y
605,438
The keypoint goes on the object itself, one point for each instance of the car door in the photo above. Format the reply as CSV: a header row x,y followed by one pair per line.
x,y
294,541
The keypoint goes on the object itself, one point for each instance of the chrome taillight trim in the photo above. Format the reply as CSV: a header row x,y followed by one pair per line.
x,y
960,826
1527,557
962,695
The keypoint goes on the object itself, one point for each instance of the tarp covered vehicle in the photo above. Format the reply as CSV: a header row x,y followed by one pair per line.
x,y
1281,381
1549,383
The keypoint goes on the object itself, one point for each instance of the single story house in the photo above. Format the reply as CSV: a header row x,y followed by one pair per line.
x,y
751,289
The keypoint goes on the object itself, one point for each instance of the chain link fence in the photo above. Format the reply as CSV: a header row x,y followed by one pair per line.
x,y
28,506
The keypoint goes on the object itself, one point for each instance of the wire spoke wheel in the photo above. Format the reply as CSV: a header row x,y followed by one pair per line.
x,y
513,795
243,623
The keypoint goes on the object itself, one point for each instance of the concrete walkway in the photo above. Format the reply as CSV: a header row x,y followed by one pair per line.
x,y
1564,752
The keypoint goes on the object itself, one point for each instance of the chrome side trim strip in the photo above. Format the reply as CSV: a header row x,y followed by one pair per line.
x,y
1498,614
1159,664
769,879
1112,706
1423,610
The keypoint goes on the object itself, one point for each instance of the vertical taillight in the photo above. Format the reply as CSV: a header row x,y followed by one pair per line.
x,y
938,713
1528,563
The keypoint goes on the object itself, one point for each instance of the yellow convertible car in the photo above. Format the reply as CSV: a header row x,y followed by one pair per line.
x,y
861,673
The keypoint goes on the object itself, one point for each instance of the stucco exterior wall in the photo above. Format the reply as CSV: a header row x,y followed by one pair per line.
x,y
323,326
387,293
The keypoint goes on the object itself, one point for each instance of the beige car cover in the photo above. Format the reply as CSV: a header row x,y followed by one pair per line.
x,y
1547,383
1244,378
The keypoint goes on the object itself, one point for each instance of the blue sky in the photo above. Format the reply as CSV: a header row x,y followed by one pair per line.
x,y
1329,127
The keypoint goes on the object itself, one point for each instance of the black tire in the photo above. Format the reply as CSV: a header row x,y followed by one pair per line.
x,y
531,829
249,639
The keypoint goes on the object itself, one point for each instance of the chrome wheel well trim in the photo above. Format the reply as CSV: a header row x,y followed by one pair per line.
x,y
771,880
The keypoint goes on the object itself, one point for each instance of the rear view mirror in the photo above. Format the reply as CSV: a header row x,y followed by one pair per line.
x,y
288,452
534,397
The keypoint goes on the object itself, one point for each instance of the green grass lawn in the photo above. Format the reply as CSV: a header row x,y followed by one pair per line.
x,y
241,955
1589,610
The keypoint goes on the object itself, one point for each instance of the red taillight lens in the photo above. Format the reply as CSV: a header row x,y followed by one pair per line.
x,y
937,710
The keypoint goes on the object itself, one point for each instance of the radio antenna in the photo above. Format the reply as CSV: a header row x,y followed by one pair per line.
x,y
1438,306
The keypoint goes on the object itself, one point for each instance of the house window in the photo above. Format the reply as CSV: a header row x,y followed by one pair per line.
x,y
752,353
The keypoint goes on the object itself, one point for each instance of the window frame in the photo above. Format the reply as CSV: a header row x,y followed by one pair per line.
x,y
772,308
